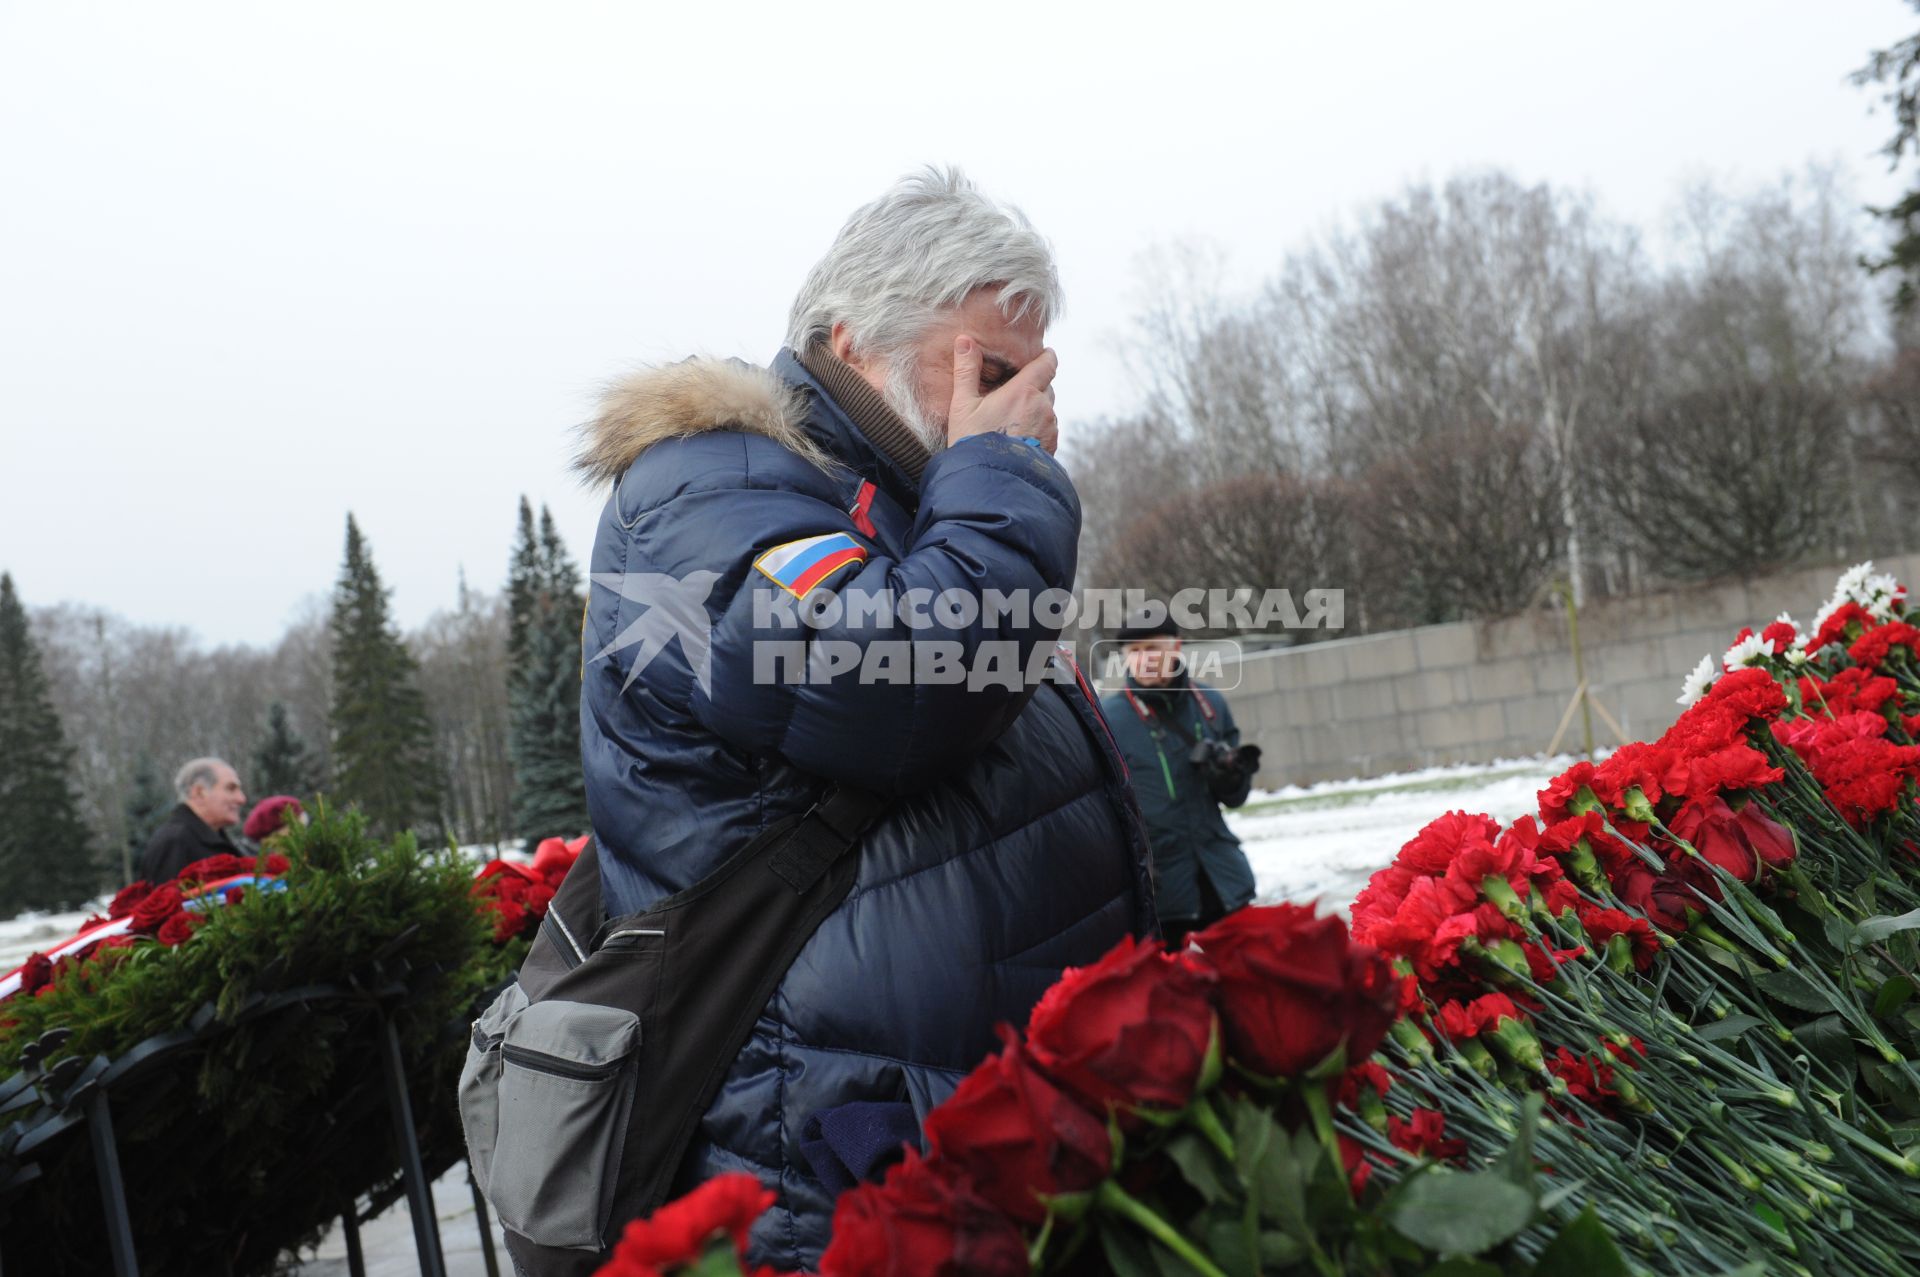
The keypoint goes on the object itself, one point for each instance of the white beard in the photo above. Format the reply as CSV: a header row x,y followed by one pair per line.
x,y
902,394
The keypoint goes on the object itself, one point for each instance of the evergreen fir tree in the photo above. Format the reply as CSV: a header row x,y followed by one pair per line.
x,y
523,587
148,803
46,855
544,686
383,760
283,764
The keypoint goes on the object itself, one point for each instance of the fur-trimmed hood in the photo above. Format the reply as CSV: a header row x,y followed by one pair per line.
x,y
691,397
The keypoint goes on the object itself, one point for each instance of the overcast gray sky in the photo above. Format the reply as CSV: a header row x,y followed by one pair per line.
x,y
261,264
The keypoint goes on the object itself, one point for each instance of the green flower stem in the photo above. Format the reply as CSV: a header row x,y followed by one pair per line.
x,y
1321,1112
1116,1200
1207,1122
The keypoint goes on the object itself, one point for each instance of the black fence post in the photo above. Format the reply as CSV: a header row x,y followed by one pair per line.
x,y
486,1225
113,1190
350,1230
426,1226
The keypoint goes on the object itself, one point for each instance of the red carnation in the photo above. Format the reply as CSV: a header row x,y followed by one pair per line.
x,y
680,1231
1293,988
1837,627
1132,1029
1779,636
1459,1020
921,1224
1425,1134
127,897
155,908
1602,925
274,863
1873,647
1018,1137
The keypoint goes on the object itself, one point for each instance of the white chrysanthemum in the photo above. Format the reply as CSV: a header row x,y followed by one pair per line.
x,y
1748,651
1699,681
1797,655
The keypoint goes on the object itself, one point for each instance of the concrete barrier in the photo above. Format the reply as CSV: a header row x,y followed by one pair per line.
x,y
1475,690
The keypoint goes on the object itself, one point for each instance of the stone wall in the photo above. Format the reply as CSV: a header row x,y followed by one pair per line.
x,y
1478,690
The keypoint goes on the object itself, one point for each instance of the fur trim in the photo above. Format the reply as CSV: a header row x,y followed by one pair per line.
x,y
690,398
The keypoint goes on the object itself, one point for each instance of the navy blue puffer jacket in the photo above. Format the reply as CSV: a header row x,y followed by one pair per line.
x,y
1012,849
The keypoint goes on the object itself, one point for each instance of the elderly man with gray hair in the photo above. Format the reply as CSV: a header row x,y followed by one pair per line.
x,y
899,451
211,801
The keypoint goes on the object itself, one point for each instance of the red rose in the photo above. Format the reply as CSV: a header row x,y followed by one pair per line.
x,y
211,867
1293,988
680,1231
180,927
127,897
1713,830
1131,1029
1017,1137
921,1224
275,863
36,974
1663,898
155,908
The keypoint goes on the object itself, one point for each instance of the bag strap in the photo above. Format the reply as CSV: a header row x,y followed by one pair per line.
x,y
827,832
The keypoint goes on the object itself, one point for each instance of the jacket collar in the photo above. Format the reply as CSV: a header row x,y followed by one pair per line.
x,y
894,469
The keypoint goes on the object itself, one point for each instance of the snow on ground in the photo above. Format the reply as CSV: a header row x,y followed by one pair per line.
x,y
1322,842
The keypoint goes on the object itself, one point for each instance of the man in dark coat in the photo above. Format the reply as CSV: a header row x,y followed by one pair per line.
x,y
1186,759
900,448
211,801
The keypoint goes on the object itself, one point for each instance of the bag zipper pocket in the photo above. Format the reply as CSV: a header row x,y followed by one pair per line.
x,y
556,1066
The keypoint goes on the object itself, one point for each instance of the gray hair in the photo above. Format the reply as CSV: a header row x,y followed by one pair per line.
x,y
921,248
201,771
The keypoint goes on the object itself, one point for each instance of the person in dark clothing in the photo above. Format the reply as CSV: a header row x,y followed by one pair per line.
x,y
211,801
900,447
1184,754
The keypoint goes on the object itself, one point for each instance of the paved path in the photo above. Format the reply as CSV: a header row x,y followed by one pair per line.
x,y
387,1242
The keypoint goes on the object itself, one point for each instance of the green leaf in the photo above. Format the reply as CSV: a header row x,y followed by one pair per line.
x,y
719,1259
1277,1250
1731,1027
1196,1160
1791,988
1827,1041
1905,1135
1582,1249
1771,1218
1455,1213
1892,994
1890,1085
1517,1162
1226,1244
1462,1268
1874,930
1269,1169
1131,1255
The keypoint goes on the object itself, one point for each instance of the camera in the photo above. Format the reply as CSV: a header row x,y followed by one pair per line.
x,y
1223,766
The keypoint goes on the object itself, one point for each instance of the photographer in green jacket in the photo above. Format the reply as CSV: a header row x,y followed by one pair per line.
x,y
1186,761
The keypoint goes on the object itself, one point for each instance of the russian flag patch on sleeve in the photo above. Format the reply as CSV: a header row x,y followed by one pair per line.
x,y
798,566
